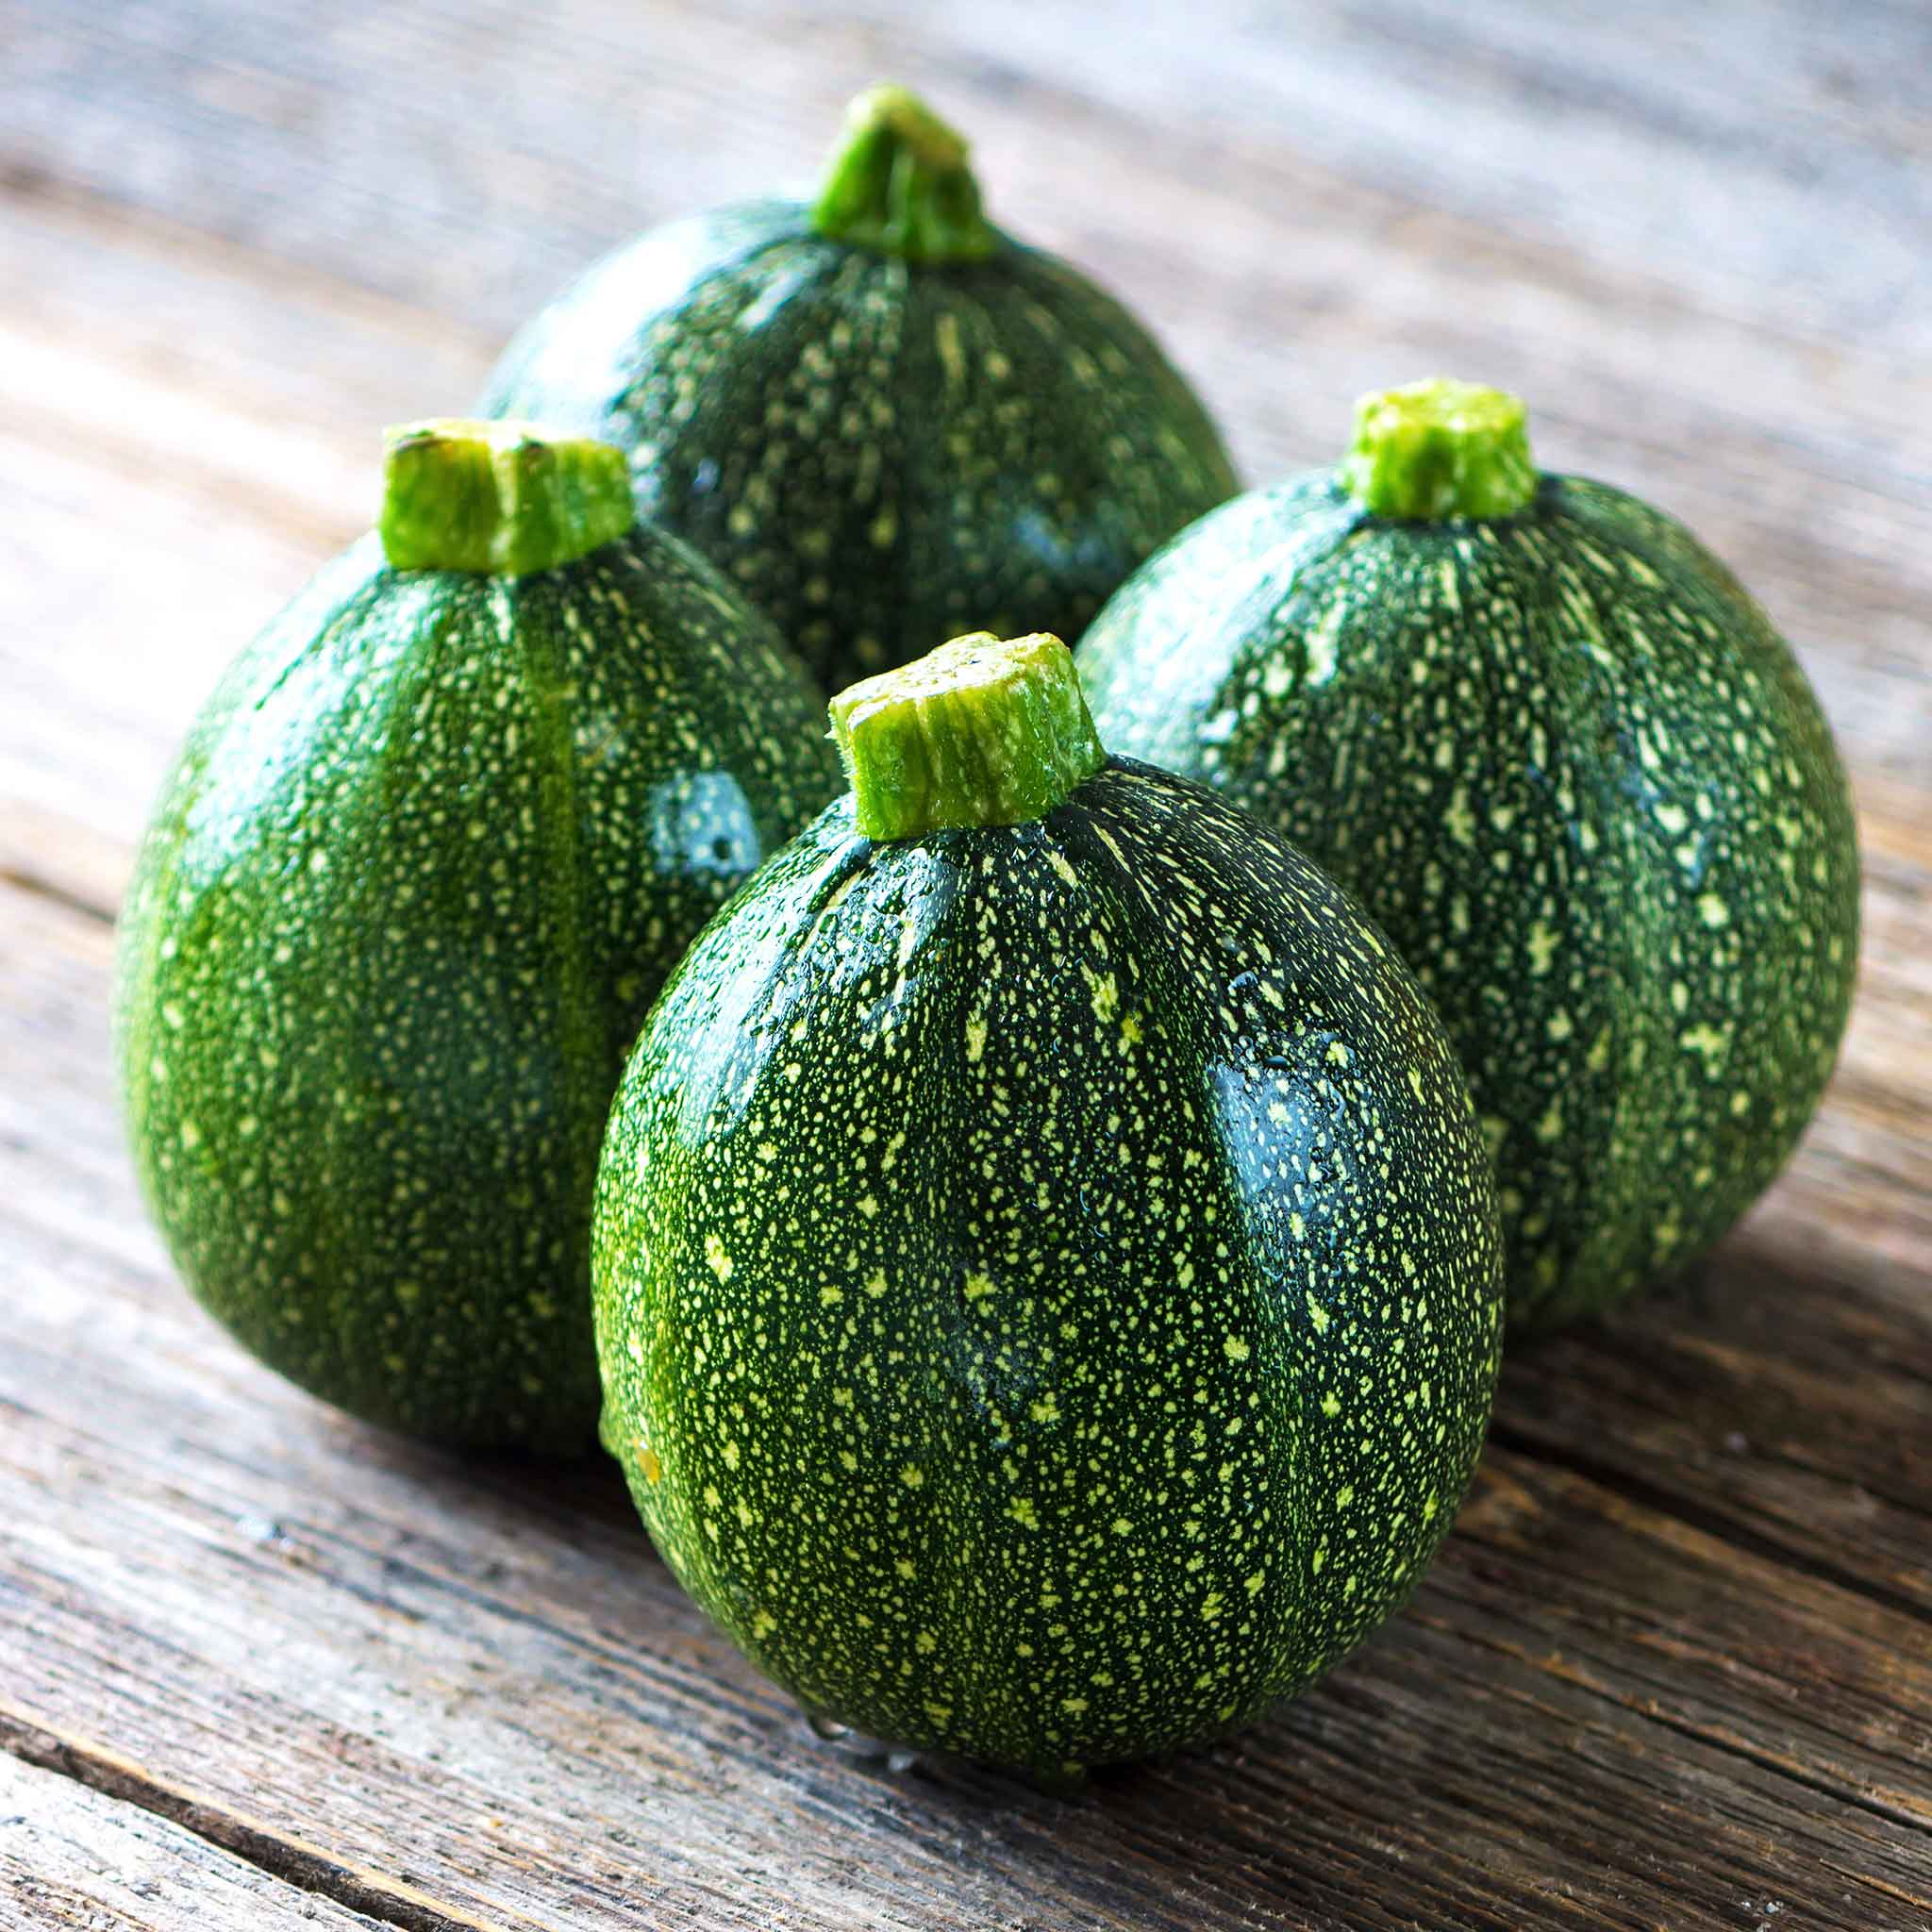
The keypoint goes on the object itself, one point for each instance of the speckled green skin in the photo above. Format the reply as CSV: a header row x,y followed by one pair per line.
x,y
429,853
1574,771
883,455
1047,1277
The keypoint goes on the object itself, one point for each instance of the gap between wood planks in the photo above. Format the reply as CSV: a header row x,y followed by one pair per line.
x,y
12,874
1656,1497
303,1865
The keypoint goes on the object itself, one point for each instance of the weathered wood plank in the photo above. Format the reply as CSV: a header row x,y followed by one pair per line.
x,y
74,1857
1603,1710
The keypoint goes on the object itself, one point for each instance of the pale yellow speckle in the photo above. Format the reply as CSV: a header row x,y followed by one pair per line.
x,y
946,340
1106,993
1320,640
1713,1042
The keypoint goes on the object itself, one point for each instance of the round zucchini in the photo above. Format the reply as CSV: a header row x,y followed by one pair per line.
x,y
881,416
1045,1262
426,858
1569,765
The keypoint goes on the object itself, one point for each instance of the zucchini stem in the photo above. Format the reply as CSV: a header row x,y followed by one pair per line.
x,y
898,182
1439,449
979,732
503,499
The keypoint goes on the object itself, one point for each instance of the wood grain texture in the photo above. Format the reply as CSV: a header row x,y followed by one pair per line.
x,y
1674,1669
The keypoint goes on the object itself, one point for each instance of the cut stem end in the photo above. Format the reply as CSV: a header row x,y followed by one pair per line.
x,y
498,498
1439,449
898,182
980,732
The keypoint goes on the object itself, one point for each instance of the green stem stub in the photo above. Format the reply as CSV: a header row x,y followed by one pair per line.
x,y
1441,449
898,182
500,498
979,732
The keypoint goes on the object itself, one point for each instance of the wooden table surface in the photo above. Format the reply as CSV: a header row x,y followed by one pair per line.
x,y
259,1665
